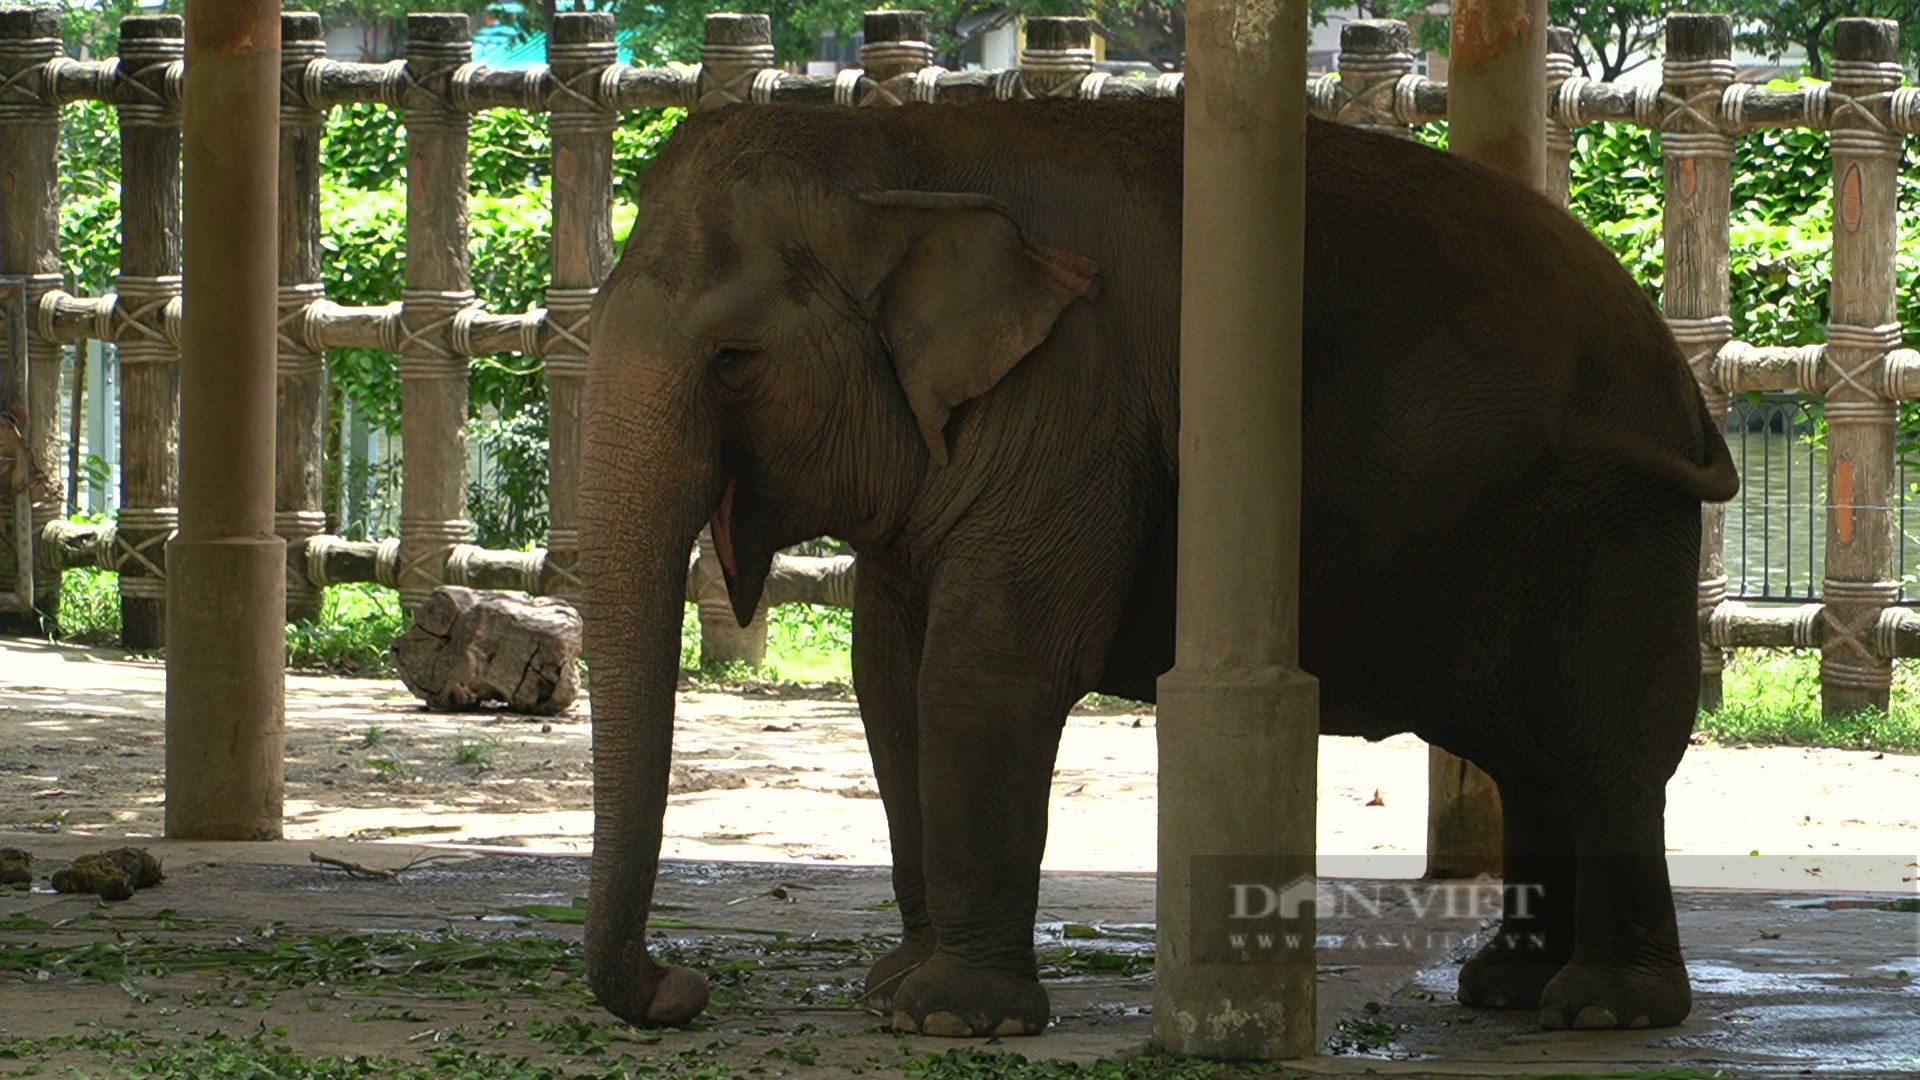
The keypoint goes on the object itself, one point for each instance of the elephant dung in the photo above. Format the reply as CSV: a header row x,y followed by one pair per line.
x,y
14,865
110,875
467,648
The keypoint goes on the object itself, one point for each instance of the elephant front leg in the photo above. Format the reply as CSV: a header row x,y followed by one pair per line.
x,y
987,742
889,627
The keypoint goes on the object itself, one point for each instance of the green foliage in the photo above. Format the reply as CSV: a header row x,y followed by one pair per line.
x,y
363,245
507,501
357,623
89,606
1781,236
1772,696
1770,27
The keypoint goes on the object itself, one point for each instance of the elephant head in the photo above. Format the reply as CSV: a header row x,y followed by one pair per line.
x,y
780,354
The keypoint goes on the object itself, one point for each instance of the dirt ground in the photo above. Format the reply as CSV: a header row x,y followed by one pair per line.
x,y
774,776
470,964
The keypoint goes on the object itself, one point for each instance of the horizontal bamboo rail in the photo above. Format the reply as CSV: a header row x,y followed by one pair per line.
x,y
330,560
1411,99
1861,370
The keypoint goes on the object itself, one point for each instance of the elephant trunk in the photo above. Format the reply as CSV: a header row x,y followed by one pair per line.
x,y
642,506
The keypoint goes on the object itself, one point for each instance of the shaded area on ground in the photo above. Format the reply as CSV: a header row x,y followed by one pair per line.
x,y
479,950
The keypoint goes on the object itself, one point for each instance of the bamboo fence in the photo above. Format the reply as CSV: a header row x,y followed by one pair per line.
x,y
434,327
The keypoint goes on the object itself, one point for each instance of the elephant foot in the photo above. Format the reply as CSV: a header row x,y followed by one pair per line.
x,y
1587,996
668,995
945,997
892,969
1510,971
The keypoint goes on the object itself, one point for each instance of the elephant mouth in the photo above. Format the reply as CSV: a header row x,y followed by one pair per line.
x,y
722,526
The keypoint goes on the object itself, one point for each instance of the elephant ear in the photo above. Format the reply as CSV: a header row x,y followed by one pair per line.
x,y
970,296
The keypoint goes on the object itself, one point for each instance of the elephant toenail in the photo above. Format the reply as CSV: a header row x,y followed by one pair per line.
x,y
1595,1018
1010,1026
903,1022
1640,1022
946,1025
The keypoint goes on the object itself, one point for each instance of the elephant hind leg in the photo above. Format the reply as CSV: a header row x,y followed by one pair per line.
x,y
1629,683
1535,937
1626,970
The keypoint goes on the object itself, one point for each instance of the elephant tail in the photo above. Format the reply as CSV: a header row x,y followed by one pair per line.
x,y
1714,480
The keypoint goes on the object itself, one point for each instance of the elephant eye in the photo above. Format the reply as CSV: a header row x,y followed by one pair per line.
x,y
730,365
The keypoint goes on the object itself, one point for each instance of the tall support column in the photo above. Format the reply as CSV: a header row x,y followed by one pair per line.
x,y
433,380
1861,549
1697,160
226,599
1496,93
29,249
1239,721
578,50
299,463
1497,116
149,363
735,49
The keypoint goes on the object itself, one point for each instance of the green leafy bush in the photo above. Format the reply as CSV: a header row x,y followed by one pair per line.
x,y
363,230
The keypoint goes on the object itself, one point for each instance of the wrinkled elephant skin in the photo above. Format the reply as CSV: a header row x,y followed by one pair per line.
x,y
950,337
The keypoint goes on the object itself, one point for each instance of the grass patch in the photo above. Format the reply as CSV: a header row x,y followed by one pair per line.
x,y
357,623
472,751
1772,697
806,645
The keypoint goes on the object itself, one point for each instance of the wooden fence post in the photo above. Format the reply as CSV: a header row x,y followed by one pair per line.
x,y
736,49
579,49
1558,184
1696,161
1058,55
149,363
433,379
1860,572
29,249
893,51
1373,61
301,385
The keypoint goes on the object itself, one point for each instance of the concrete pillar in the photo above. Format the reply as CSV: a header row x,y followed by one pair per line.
x,y
1239,721
1497,116
226,580
1496,86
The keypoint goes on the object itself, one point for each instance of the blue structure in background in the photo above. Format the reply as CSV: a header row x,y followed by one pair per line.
x,y
505,45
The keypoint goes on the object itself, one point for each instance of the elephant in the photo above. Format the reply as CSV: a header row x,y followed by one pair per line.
x,y
949,336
